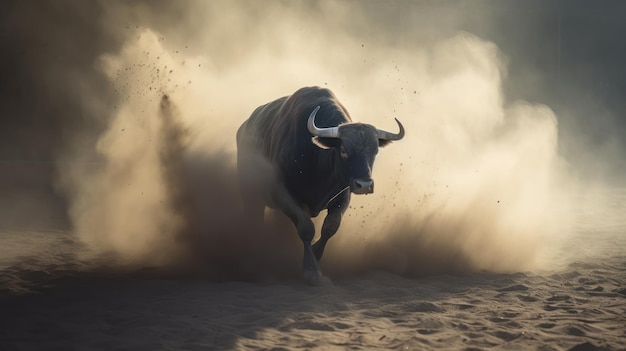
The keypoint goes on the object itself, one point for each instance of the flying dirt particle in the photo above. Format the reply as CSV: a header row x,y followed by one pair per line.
x,y
362,45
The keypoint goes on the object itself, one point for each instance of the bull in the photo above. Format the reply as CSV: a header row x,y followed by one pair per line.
x,y
315,157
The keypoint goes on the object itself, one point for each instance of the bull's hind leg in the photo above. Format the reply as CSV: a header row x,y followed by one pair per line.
x,y
306,230
255,178
336,209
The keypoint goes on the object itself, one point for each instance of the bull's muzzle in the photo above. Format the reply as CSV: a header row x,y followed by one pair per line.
x,y
362,186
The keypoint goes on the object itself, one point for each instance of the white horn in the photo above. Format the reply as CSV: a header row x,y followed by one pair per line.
x,y
332,132
391,136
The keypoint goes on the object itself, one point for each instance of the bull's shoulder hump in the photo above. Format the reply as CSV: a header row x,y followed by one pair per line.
x,y
314,93
314,90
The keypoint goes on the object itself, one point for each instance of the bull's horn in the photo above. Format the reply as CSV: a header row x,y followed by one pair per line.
x,y
390,136
332,132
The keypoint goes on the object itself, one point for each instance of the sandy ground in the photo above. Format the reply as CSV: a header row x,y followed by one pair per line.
x,y
67,304
580,308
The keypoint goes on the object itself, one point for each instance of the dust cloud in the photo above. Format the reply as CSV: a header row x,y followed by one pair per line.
x,y
477,183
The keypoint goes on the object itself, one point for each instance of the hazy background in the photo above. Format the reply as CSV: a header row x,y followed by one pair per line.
x,y
510,107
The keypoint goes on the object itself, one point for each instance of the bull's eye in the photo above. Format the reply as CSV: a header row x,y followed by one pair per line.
x,y
343,152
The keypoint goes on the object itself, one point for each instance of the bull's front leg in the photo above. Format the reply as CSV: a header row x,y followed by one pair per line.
x,y
306,230
336,209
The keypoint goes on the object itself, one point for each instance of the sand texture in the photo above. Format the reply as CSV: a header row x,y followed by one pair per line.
x,y
65,307
581,308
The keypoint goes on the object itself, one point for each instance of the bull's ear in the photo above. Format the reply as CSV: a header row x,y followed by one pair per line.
x,y
383,142
326,143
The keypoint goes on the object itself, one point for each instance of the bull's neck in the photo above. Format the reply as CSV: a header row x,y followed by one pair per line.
x,y
331,176
337,178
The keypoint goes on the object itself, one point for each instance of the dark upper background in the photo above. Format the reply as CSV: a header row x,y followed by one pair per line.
x,y
567,54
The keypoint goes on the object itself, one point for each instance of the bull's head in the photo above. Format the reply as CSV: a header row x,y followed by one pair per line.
x,y
357,145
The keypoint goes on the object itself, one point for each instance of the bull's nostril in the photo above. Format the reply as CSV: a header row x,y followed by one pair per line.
x,y
362,186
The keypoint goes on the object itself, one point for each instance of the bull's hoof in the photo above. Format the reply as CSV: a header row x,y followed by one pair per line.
x,y
325,281
311,276
316,278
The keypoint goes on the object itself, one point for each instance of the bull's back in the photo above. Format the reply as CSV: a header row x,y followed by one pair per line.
x,y
254,135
